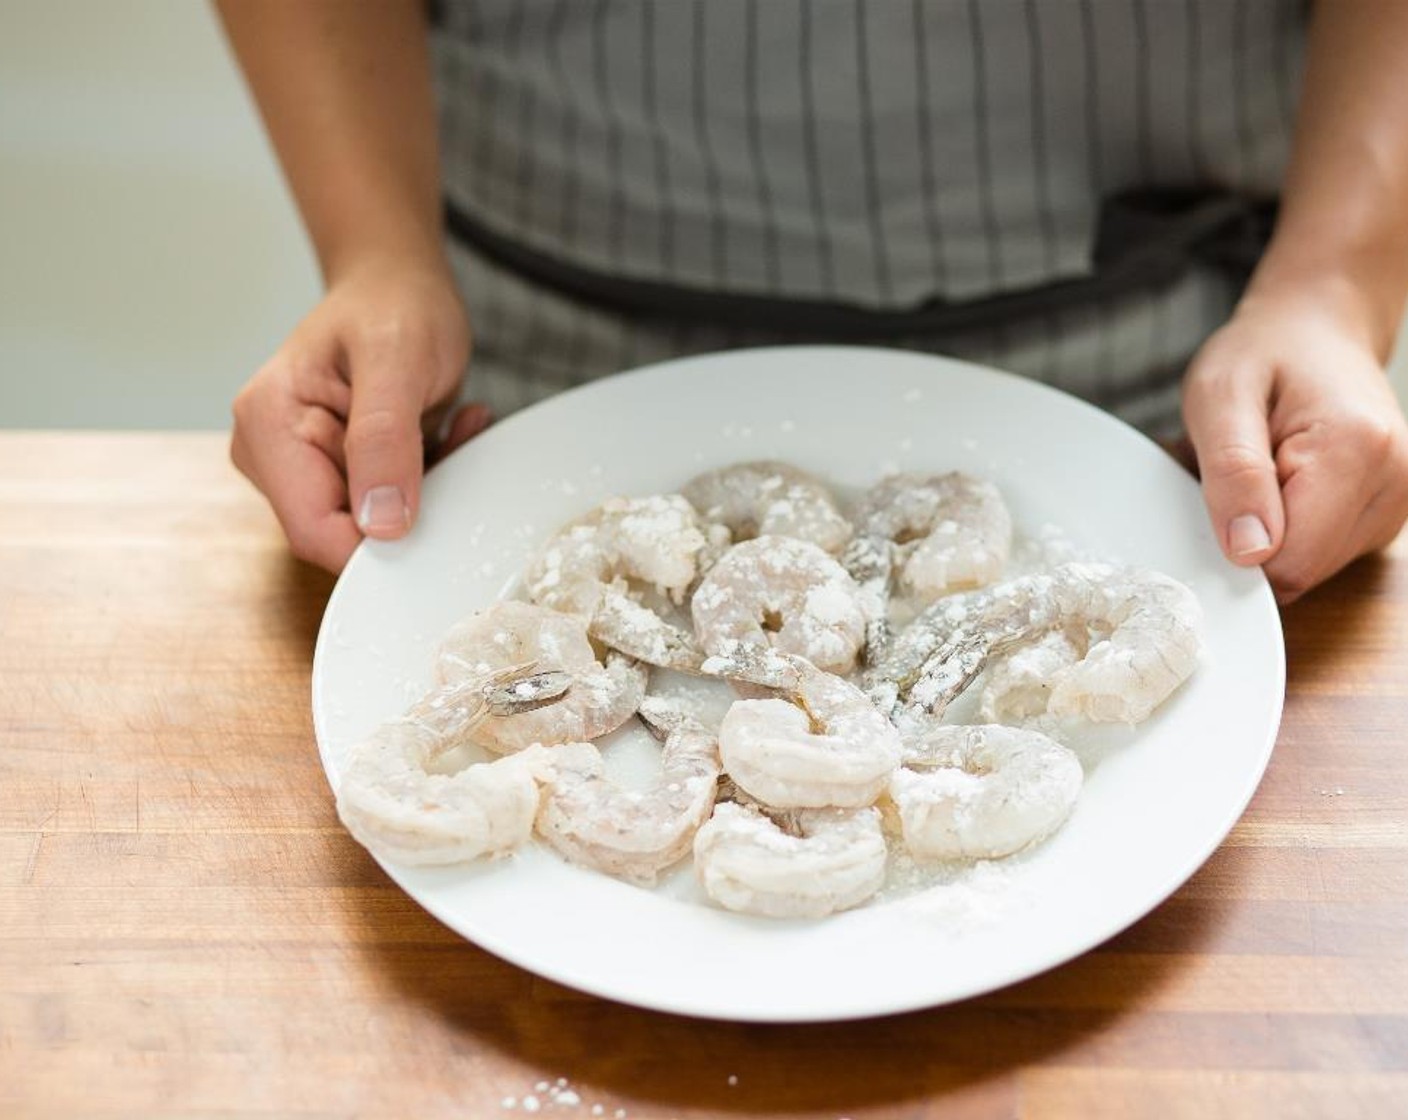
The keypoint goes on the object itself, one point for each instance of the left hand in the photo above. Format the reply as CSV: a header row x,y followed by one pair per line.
x,y
1300,442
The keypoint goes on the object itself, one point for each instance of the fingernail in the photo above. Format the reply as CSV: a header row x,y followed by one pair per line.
x,y
384,510
1247,534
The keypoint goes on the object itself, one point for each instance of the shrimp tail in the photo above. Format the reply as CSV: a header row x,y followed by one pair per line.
x,y
524,688
755,664
624,625
663,718
869,560
946,675
451,711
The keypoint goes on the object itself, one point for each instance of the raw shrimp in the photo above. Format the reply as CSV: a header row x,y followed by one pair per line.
x,y
717,542
777,591
822,861
585,569
983,792
870,562
633,834
1152,642
1146,642
830,747
769,499
953,530
950,620
1018,686
602,697
393,803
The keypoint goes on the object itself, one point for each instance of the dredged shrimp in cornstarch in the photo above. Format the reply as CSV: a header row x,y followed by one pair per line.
x,y
1018,686
602,697
904,660
869,561
1152,640
826,745
769,499
784,593
804,863
393,802
952,531
1144,625
633,834
587,567
983,792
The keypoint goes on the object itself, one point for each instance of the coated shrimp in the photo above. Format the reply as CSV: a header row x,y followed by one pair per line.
x,y
588,568
1149,629
982,792
952,531
632,834
783,593
769,499
1145,642
869,560
826,745
1018,686
397,806
805,863
601,697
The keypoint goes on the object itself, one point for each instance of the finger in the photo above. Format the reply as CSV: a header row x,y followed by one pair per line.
x,y
325,431
1384,517
1322,529
307,492
467,423
315,379
385,447
1227,424
1346,494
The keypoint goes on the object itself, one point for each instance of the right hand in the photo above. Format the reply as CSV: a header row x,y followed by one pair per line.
x,y
1302,446
332,429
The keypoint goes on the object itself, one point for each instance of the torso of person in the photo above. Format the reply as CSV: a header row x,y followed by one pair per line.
x,y
1072,189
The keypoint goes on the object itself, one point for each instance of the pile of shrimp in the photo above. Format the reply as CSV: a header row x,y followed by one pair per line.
x,y
836,754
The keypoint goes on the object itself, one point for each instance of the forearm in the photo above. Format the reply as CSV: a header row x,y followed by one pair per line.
x,y
1342,235
344,90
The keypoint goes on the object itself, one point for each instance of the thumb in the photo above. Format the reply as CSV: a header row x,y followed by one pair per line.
x,y
385,453
1227,422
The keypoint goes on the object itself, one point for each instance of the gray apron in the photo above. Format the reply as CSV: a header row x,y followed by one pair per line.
x,y
1072,190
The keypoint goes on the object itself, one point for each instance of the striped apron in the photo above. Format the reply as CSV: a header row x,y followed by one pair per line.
x,y
1074,190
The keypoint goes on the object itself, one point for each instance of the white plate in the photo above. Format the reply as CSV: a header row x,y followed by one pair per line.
x,y
1152,811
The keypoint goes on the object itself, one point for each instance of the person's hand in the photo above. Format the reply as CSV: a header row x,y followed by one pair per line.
x,y
332,429
1300,442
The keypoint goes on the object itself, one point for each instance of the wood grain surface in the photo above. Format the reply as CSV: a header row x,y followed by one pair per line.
x,y
185,929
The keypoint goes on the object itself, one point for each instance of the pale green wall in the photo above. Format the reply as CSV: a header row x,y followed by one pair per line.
x,y
149,254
